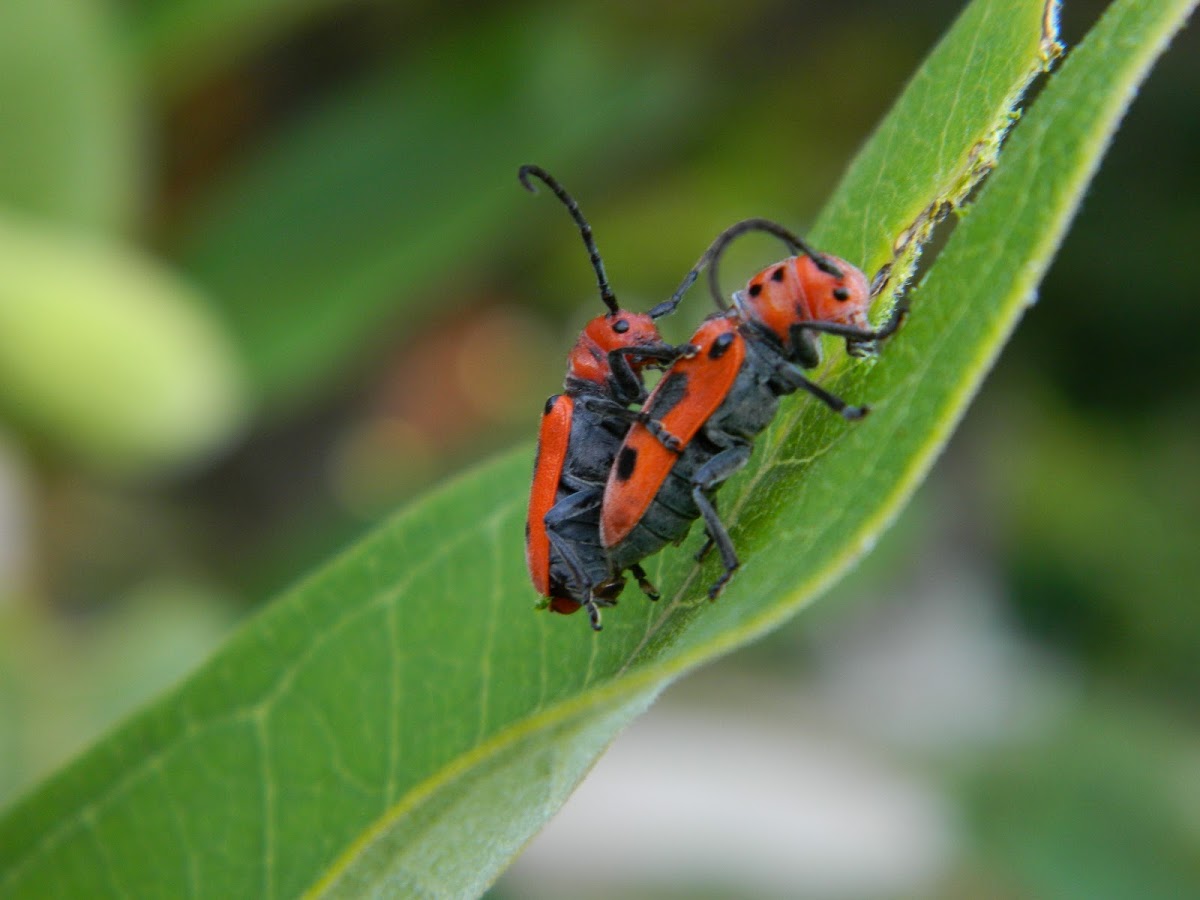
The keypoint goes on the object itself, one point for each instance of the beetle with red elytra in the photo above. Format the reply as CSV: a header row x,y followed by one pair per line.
x,y
580,432
698,425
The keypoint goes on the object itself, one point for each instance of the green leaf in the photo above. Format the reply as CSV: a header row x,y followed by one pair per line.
x,y
930,150
350,216
70,122
107,357
400,723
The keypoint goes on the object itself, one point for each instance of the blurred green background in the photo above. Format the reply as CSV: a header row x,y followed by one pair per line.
x,y
266,271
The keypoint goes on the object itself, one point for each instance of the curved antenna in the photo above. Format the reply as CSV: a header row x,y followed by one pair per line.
x,y
585,230
725,238
713,255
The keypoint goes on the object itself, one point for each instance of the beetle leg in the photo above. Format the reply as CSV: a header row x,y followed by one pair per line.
x,y
570,506
647,588
589,595
659,431
656,353
856,335
626,383
579,585
796,380
608,407
566,509
616,411
707,478
708,541
593,614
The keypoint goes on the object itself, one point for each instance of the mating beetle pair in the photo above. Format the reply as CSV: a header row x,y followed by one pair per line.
x,y
661,466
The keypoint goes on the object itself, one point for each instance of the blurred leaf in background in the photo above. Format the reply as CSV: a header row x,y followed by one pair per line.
x,y
73,141
360,210
107,356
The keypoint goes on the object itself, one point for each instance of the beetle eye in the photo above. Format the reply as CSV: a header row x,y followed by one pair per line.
x,y
841,294
621,326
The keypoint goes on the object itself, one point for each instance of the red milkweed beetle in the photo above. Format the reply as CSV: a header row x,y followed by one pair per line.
x,y
708,407
580,432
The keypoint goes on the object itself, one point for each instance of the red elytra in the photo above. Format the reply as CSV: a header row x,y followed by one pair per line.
x,y
708,377
548,463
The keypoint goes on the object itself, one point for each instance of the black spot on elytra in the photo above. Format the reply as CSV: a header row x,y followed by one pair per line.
x,y
777,275
621,326
841,294
550,404
626,463
721,345
672,389
755,290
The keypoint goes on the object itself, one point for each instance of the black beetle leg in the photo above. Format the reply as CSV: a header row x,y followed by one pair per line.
x,y
708,477
647,588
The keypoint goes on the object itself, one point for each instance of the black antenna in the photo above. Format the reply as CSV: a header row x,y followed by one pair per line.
x,y
712,256
725,238
585,230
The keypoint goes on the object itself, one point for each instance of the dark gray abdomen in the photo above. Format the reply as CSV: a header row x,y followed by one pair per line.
x,y
591,448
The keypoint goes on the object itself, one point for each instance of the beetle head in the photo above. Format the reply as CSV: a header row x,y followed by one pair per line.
x,y
805,289
588,359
